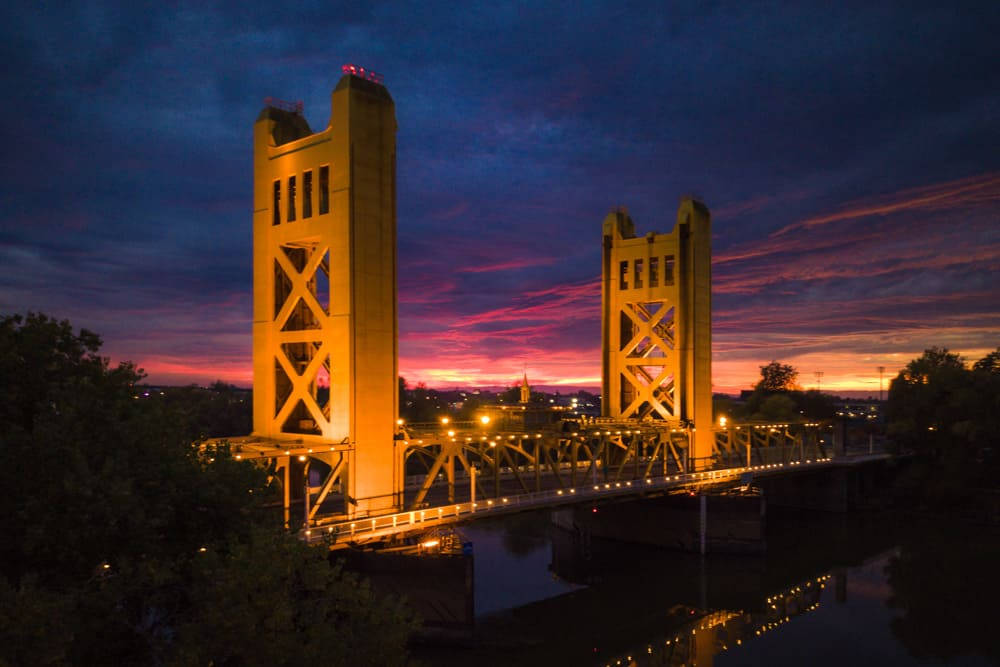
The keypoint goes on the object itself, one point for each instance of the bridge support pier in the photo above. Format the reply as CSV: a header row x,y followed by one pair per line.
x,y
438,586
709,523
840,489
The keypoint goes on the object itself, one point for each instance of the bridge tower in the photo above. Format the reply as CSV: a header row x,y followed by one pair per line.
x,y
657,323
324,308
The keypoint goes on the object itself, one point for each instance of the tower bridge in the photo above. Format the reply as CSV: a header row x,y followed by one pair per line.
x,y
325,356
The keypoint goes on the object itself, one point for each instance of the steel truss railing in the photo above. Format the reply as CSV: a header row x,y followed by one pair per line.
x,y
453,454
445,462
340,533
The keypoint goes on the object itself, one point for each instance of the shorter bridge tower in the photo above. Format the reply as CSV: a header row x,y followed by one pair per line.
x,y
657,323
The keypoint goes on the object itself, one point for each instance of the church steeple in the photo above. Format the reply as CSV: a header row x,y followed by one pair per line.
x,y
525,390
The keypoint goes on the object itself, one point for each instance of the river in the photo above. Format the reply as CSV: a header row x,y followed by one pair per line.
x,y
858,589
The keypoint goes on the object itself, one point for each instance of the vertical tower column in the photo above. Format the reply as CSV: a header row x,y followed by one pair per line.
x,y
694,229
325,321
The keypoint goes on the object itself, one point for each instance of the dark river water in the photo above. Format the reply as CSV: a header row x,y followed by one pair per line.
x,y
859,589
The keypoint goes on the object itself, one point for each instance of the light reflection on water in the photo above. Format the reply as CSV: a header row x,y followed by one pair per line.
x,y
832,590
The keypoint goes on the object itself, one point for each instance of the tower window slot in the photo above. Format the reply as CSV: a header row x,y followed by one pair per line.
x,y
668,270
324,190
637,279
623,275
307,194
276,204
654,271
291,198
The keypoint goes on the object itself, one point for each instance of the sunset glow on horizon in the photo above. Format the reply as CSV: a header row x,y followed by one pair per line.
x,y
846,339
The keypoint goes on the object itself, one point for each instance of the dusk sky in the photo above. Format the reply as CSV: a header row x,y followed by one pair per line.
x,y
850,156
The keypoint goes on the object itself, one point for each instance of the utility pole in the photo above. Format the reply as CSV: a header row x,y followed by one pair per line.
x,y
819,380
881,373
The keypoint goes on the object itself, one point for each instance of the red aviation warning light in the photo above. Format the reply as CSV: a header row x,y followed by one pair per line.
x,y
363,73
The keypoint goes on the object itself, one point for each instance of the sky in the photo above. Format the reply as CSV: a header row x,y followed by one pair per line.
x,y
849,154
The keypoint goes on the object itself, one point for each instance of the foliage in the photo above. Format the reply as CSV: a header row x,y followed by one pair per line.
x,y
510,395
420,404
214,412
125,542
777,407
989,364
949,416
33,624
305,610
776,397
777,377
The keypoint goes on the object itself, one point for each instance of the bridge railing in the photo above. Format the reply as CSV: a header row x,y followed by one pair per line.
x,y
362,529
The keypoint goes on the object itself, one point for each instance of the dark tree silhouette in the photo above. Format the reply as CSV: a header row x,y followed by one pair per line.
x,y
777,377
125,542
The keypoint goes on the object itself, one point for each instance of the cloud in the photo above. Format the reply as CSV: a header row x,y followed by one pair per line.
x,y
977,190
855,206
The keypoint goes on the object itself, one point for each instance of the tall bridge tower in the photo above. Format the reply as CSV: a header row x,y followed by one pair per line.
x,y
657,323
324,267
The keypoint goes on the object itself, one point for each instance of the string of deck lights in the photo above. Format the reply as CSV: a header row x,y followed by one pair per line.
x,y
394,522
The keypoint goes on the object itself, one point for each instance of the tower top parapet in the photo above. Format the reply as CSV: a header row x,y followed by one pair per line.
x,y
361,72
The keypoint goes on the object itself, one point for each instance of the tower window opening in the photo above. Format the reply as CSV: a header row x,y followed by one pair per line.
x,y
276,204
637,279
307,194
654,271
623,275
668,270
324,190
291,198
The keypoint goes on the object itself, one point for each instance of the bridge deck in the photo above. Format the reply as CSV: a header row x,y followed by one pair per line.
x,y
343,533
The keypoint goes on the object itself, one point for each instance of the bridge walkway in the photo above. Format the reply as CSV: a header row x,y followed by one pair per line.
x,y
343,533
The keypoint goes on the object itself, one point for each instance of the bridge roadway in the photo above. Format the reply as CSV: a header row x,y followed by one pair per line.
x,y
344,533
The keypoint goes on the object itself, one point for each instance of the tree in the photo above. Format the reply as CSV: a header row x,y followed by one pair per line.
x,y
949,416
776,377
302,609
111,514
420,404
777,407
510,395
927,399
989,364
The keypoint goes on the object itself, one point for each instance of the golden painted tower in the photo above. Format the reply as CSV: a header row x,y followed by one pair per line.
x,y
657,323
324,265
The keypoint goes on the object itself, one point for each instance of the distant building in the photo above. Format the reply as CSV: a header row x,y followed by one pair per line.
x,y
526,415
